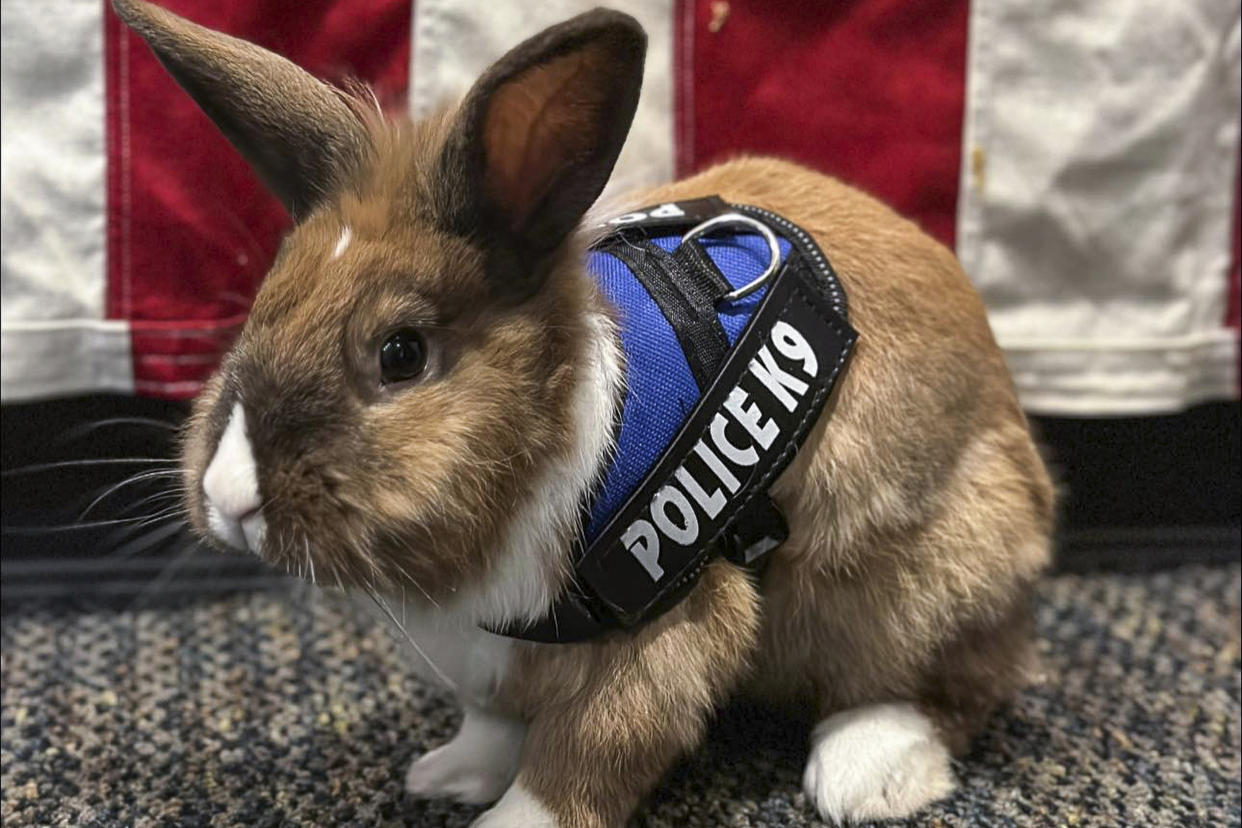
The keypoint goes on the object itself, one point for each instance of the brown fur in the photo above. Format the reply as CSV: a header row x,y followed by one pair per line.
x,y
919,515
919,510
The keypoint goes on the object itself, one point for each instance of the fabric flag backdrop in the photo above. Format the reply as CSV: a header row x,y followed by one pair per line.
x,y
1082,158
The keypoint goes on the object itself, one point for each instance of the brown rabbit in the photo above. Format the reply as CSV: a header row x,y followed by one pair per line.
x,y
425,390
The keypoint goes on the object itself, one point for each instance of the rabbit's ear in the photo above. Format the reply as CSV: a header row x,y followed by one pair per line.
x,y
299,134
537,137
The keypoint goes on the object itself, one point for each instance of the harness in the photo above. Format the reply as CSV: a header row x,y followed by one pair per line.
x,y
734,331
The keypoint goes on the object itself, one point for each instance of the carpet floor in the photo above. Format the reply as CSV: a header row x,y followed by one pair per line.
x,y
293,708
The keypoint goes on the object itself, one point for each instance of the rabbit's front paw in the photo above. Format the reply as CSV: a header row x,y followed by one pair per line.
x,y
475,767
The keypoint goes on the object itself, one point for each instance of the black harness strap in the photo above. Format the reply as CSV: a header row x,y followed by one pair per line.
x,y
702,270
689,308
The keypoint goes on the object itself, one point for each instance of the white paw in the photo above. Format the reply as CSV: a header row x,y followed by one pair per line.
x,y
518,808
475,767
445,772
879,762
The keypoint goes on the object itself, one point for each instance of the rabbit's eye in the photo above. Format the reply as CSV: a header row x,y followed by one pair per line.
x,y
403,356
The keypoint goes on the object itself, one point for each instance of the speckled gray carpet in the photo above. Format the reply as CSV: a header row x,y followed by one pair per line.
x,y
271,709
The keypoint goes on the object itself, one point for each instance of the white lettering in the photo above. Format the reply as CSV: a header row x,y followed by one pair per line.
x,y
776,380
685,533
709,503
717,466
742,456
644,544
751,418
672,513
669,210
792,344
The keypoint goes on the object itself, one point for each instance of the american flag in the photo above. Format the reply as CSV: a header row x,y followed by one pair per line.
x,y
1082,159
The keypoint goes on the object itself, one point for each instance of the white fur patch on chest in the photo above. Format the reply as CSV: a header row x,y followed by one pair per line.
x,y
459,656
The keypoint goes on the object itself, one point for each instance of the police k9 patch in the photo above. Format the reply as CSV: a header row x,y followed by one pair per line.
x,y
744,431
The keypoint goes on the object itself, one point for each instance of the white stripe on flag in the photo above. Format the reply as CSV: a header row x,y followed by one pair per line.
x,y
55,338
65,356
454,41
1096,202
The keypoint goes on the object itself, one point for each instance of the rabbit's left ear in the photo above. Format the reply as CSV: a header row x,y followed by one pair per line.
x,y
298,133
536,139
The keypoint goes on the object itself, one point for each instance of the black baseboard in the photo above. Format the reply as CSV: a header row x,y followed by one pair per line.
x,y
1145,549
1168,471
1137,494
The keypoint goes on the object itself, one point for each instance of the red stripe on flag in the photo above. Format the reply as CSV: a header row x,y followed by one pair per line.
x,y
191,231
871,91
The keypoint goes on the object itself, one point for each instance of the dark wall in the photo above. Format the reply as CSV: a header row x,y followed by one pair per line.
x,y
1137,493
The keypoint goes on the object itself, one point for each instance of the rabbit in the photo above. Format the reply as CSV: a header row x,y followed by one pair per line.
x,y
423,394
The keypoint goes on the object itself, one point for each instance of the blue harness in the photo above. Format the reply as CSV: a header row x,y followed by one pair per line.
x,y
661,388
733,339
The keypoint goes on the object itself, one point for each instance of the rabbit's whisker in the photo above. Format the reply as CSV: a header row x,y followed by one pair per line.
x,y
102,461
148,539
88,428
136,478
407,576
166,574
71,527
383,606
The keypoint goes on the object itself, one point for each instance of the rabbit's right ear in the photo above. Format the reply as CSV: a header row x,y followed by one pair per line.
x,y
298,133
536,139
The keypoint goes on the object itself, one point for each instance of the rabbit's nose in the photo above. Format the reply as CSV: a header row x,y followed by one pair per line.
x,y
231,488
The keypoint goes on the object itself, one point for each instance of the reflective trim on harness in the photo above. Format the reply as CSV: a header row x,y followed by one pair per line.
x,y
729,363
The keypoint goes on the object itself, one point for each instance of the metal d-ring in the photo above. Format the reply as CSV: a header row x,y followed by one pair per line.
x,y
728,219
